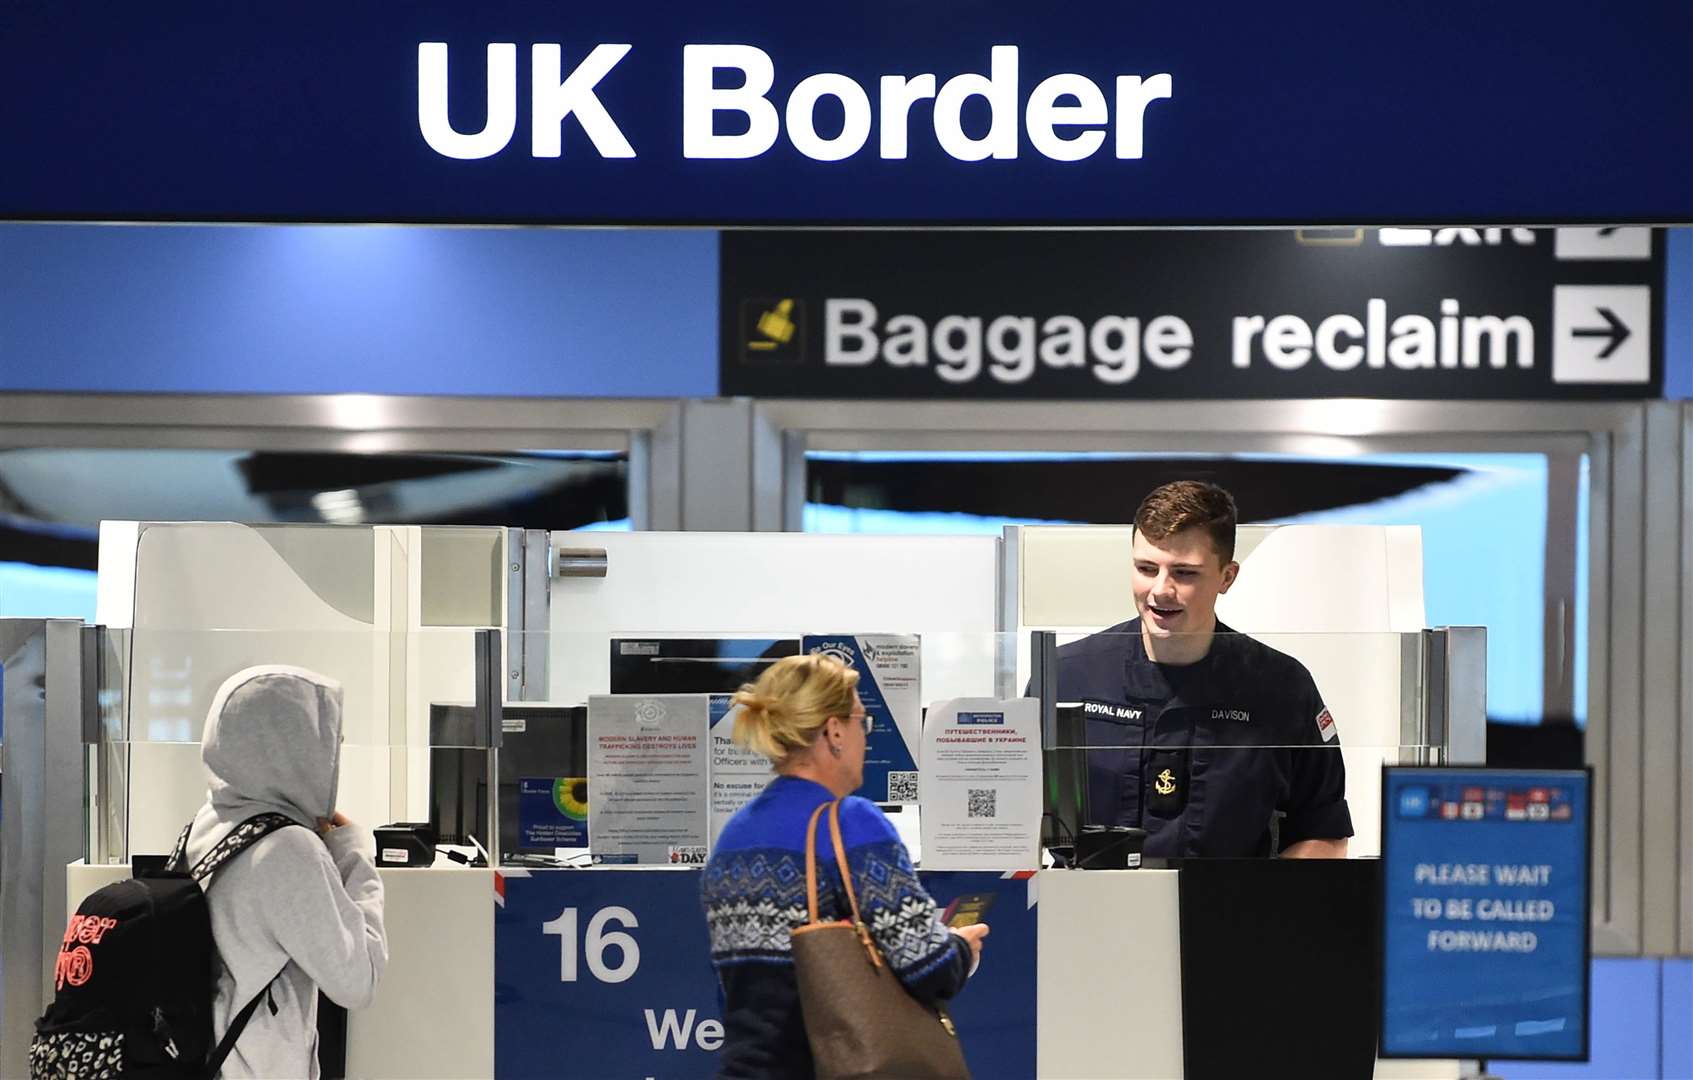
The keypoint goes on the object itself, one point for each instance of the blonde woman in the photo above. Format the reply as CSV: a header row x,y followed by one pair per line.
x,y
804,714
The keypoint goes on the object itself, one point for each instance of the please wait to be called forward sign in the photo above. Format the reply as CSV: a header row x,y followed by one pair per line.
x,y
1485,913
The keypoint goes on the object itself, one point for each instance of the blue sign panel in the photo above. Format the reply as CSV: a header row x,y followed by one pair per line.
x,y
995,1013
619,953
871,111
624,954
1486,899
887,667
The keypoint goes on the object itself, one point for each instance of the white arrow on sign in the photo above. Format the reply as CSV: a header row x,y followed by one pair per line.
x,y
1613,242
1602,334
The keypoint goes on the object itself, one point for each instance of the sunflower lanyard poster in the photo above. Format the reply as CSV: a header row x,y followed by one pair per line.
x,y
648,778
552,812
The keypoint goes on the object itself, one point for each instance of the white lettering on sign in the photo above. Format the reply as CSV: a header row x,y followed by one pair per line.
x,y
551,100
802,117
1009,347
1450,874
1510,874
700,64
671,1031
1492,909
1410,342
1013,348
1449,237
1068,116
1063,101
432,120
999,90
1519,941
596,940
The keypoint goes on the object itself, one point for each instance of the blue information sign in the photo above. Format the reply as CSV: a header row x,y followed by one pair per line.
x,y
1327,111
1486,900
887,666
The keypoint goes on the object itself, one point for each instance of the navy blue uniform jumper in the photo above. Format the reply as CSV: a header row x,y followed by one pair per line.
x,y
1203,756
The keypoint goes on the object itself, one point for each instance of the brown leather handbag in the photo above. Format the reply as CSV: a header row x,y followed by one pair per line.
x,y
859,1018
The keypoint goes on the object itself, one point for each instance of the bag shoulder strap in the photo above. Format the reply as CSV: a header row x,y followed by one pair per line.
x,y
240,838
811,861
834,809
214,1063
841,859
179,854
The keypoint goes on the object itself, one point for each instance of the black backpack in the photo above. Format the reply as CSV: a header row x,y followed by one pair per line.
x,y
137,974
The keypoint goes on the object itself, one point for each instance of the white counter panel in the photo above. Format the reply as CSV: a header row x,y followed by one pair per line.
x,y
1109,976
433,1016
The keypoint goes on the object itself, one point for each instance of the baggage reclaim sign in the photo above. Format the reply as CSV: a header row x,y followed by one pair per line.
x,y
1450,314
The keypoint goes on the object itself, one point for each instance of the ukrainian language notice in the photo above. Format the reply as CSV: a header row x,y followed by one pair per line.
x,y
981,785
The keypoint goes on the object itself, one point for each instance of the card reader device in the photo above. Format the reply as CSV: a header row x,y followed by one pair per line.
x,y
405,843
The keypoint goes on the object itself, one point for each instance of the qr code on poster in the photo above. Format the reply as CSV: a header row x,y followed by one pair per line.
x,y
902,787
981,802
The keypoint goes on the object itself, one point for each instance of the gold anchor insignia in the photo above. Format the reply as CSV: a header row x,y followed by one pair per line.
x,y
1166,783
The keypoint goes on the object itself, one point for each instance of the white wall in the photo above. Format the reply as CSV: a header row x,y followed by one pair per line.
x,y
780,585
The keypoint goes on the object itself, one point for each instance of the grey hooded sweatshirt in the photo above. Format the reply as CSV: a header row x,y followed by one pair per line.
x,y
299,908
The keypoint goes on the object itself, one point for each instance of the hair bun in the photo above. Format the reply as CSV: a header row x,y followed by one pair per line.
x,y
757,716
759,709
785,711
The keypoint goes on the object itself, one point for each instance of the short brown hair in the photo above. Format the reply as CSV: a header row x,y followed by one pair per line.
x,y
1189,504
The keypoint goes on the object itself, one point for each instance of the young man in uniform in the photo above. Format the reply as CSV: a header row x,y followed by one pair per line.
x,y
1213,743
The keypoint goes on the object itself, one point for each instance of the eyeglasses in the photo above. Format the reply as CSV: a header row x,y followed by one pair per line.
x,y
865,719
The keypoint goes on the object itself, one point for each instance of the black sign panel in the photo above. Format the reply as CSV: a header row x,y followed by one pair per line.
x,y
1448,314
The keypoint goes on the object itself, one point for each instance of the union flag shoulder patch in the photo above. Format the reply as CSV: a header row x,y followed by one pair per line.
x,y
1325,725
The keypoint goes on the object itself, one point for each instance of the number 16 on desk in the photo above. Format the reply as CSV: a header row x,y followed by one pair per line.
x,y
596,940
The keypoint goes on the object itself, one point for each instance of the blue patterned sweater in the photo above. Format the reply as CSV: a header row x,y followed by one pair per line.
x,y
754,895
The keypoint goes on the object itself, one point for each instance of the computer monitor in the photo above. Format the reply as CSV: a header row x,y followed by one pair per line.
x,y
692,665
1065,765
543,759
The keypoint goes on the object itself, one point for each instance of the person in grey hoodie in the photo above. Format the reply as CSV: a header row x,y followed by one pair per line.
x,y
301,910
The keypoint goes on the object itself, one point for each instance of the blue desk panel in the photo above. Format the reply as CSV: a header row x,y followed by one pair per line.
x,y
624,954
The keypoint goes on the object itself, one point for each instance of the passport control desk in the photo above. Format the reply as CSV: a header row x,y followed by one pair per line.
x,y
525,973
605,972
